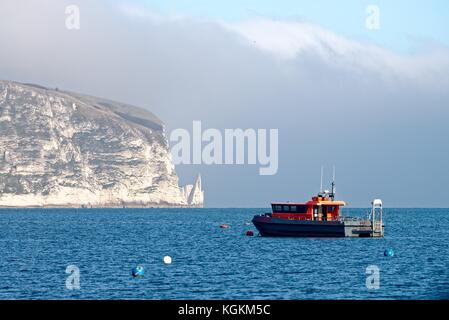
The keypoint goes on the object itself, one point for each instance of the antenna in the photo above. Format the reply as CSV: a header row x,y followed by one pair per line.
x,y
332,195
321,184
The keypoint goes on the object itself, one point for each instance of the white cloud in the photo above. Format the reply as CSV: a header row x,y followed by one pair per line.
x,y
289,40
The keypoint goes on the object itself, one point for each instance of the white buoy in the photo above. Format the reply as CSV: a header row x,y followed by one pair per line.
x,y
167,260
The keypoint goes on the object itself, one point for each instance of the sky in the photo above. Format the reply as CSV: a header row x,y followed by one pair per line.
x,y
402,21
374,103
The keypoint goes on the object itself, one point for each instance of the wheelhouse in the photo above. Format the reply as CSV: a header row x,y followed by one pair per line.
x,y
319,208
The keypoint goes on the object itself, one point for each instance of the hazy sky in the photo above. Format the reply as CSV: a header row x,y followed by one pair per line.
x,y
372,102
403,21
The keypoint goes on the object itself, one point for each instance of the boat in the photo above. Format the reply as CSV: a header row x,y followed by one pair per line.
x,y
318,217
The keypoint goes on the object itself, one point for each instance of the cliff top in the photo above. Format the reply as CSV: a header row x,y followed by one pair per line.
x,y
129,112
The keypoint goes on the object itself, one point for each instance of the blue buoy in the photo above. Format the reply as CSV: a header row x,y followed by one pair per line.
x,y
388,252
137,271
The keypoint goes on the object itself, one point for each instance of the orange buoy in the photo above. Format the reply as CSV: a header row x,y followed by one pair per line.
x,y
225,226
249,233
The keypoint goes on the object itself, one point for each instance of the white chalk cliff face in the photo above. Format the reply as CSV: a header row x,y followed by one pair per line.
x,y
60,148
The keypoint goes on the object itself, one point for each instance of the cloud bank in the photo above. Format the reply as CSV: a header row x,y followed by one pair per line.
x,y
290,40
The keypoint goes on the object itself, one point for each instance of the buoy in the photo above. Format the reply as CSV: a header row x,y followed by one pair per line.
x,y
225,226
137,271
167,260
388,252
249,233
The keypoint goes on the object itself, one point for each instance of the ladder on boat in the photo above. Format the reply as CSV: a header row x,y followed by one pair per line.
x,y
376,225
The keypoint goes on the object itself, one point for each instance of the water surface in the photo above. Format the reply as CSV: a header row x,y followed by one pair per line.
x,y
36,246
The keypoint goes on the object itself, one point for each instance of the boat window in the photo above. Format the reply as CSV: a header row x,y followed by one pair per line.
x,y
290,208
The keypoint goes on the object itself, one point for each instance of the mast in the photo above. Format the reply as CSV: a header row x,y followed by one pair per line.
x,y
332,194
321,184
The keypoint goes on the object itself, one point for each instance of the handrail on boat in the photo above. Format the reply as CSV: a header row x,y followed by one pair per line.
x,y
338,219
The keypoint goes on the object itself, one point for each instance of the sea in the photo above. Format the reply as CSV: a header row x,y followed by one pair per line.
x,y
90,253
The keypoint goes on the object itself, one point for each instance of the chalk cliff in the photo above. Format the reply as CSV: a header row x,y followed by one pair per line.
x,y
59,148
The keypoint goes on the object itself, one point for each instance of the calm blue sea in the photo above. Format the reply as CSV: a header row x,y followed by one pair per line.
x,y
36,246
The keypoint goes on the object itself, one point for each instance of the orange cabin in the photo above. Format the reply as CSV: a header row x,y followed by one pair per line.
x,y
318,209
